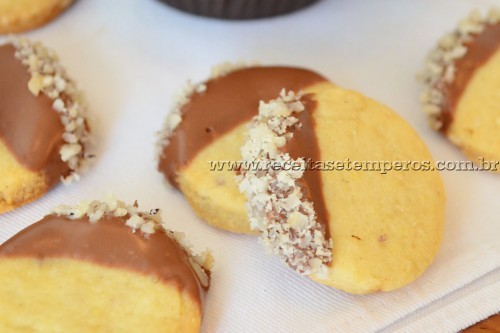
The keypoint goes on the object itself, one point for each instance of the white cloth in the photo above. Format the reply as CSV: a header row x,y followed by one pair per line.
x,y
132,56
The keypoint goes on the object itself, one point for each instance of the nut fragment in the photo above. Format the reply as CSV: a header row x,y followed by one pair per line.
x,y
276,205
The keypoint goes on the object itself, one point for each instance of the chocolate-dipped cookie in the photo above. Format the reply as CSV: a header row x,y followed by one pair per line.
x,y
337,194
101,266
207,128
462,81
22,15
43,129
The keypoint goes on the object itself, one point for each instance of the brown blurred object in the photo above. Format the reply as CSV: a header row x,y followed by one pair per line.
x,y
239,9
491,324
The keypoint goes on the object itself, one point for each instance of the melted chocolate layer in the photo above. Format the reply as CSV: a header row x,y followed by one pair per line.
x,y
305,144
29,127
479,51
229,101
109,242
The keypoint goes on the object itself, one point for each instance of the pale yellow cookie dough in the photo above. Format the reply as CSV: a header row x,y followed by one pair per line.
x,y
73,296
18,185
22,15
476,122
214,195
386,228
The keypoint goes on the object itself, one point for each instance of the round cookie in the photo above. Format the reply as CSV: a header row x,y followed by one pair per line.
x,y
324,200
101,266
43,130
462,80
208,124
22,15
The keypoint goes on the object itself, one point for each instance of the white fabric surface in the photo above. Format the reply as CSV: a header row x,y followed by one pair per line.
x,y
132,56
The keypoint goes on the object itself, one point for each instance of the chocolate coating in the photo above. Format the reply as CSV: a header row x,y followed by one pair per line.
x,y
479,50
29,127
304,143
228,101
109,242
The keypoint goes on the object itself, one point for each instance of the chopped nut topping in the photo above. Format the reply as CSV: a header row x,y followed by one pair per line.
x,y
201,263
275,202
440,63
146,222
174,118
49,77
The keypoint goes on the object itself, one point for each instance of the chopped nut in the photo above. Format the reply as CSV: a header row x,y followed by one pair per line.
x,y
200,272
58,105
119,212
35,84
70,150
174,120
96,216
62,210
148,227
297,220
135,222
276,206
494,16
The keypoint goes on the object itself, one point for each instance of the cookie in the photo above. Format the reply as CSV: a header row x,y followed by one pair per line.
x,y
462,80
335,194
23,15
43,129
208,125
101,266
